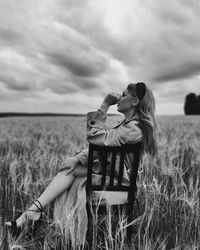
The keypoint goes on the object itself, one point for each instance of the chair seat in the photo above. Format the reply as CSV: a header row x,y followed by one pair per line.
x,y
109,197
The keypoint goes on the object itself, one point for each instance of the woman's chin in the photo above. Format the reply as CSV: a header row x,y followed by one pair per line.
x,y
118,109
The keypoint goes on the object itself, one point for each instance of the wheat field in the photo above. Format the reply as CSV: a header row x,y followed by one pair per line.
x,y
32,150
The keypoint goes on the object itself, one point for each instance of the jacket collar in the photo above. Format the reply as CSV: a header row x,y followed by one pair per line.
x,y
135,118
123,121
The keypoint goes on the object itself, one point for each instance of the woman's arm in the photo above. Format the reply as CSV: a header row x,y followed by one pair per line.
x,y
98,118
128,133
98,134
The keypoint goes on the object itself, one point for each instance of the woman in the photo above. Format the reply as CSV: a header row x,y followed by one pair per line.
x,y
138,106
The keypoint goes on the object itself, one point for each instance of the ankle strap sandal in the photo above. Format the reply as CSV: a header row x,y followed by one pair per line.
x,y
39,207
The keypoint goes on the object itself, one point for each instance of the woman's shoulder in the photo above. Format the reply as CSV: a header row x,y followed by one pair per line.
x,y
133,131
133,124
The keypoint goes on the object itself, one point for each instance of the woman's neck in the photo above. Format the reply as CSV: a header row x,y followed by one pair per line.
x,y
129,114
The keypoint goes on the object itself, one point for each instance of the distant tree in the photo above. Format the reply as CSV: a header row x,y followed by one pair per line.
x,y
198,105
191,104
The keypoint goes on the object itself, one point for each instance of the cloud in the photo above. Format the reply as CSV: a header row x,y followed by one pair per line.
x,y
15,84
65,48
174,52
83,64
9,37
62,88
177,72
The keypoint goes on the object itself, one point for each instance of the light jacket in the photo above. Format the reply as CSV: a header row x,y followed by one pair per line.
x,y
125,132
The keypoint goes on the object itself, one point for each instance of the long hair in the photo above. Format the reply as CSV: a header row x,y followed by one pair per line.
x,y
146,112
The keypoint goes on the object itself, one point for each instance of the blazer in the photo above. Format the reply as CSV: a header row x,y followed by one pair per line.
x,y
125,132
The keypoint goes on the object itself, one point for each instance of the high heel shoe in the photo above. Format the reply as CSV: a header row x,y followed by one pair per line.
x,y
16,230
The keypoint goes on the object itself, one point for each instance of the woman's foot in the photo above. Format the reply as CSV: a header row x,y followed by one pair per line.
x,y
32,214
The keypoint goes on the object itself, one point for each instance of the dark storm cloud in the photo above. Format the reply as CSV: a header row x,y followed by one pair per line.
x,y
178,72
67,48
15,84
89,84
174,54
74,85
78,65
61,87
9,36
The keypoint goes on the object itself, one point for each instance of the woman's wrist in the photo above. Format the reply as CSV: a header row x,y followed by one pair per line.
x,y
104,107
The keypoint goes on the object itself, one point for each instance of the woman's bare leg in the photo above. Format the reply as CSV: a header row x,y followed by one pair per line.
x,y
59,184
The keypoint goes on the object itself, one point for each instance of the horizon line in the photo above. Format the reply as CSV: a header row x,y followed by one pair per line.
x,y
12,114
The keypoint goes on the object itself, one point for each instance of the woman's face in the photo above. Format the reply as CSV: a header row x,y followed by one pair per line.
x,y
126,102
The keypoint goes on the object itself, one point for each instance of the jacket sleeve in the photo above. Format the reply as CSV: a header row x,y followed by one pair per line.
x,y
83,157
96,118
128,133
93,118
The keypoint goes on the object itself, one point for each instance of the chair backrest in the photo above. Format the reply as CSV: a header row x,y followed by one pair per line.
x,y
112,152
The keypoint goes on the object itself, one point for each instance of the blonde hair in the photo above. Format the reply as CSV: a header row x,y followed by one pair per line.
x,y
146,112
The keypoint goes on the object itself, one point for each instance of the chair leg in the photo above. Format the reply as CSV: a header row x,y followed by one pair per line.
x,y
116,210
129,233
129,230
89,234
89,239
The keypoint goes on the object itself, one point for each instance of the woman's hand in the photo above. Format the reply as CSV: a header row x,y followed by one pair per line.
x,y
69,165
112,98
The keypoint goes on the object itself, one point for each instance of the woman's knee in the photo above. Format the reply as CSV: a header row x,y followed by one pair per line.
x,y
62,173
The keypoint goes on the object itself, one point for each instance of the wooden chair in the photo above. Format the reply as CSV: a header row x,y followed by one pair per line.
x,y
109,184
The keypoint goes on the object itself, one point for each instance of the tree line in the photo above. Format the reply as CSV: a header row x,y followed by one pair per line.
x,y
192,104
22,114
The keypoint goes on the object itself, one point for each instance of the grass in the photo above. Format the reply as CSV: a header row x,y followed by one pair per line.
x,y
33,149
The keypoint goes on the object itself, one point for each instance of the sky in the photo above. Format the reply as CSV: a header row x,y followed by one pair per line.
x,y
64,56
